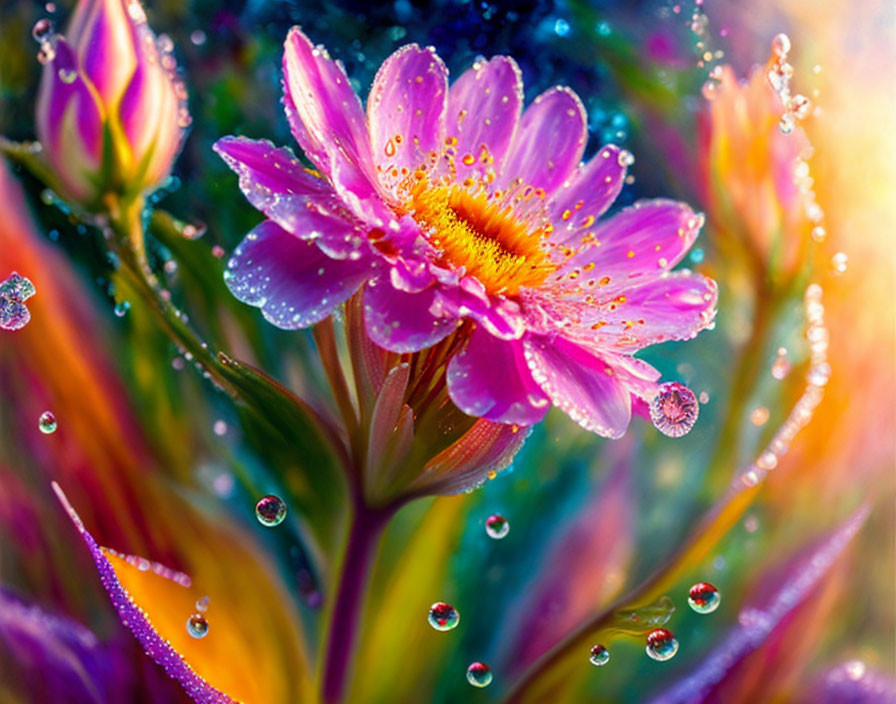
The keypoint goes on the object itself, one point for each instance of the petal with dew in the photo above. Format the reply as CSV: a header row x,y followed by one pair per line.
x,y
403,322
675,307
852,682
326,116
406,113
484,107
508,396
580,384
637,244
69,123
586,195
276,183
291,280
106,42
57,659
502,317
549,142
159,648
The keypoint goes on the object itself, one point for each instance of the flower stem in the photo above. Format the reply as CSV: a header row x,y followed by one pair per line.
x,y
363,540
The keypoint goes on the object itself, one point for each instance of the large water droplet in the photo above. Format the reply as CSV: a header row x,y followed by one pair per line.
x,y
674,409
600,656
661,645
270,510
442,616
479,674
14,290
42,30
497,526
197,626
704,598
47,423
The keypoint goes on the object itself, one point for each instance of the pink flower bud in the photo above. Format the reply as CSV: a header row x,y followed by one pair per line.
x,y
110,112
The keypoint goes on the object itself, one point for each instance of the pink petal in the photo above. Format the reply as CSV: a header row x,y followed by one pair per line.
x,y
69,123
580,384
486,447
549,142
293,282
276,183
637,244
402,322
675,307
501,317
326,116
406,113
105,40
273,180
484,107
587,195
489,378
136,620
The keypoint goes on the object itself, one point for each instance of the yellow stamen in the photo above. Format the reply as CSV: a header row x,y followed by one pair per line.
x,y
478,232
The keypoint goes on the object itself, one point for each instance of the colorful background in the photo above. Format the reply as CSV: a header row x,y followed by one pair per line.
x,y
161,464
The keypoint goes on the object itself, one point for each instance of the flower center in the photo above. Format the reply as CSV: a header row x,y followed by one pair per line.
x,y
478,231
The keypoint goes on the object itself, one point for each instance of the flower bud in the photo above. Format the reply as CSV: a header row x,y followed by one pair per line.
x,y
110,112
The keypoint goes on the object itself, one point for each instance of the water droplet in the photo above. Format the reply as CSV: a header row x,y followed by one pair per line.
x,y
497,526
786,123
625,158
442,616
219,428
67,75
759,416
47,423
42,30
839,261
600,656
46,54
121,308
14,290
709,89
479,674
197,626
561,27
661,645
270,510
674,409
781,365
198,37
781,45
202,604
818,234
704,598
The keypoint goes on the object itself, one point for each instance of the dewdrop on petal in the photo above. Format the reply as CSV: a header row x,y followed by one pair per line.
x,y
674,409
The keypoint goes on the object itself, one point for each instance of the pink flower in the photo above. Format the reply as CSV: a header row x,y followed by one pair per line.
x,y
110,112
459,213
